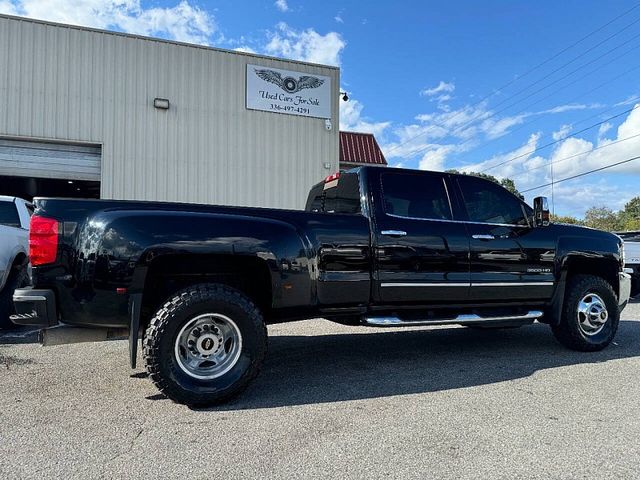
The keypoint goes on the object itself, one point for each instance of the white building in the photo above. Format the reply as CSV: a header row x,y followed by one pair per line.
x,y
83,112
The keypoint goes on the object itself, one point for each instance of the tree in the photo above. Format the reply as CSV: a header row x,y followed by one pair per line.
x,y
566,219
632,207
505,182
630,215
602,218
511,186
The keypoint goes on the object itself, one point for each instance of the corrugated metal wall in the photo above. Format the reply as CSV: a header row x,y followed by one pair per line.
x,y
67,83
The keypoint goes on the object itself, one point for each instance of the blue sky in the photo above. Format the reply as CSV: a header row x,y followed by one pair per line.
x,y
425,77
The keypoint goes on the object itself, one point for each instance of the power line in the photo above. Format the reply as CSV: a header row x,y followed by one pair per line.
x,y
560,160
604,84
553,57
557,141
570,62
531,70
571,73
494,113
539,117
582,174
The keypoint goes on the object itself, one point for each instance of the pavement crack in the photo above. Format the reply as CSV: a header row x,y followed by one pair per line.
x,y
131,444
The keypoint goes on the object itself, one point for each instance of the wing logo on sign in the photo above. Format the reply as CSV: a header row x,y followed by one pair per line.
x,y
289,84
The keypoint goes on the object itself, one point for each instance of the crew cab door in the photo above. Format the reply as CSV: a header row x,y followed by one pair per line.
x,y
420,251
509,259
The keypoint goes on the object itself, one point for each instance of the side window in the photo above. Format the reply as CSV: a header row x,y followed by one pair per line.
x,y
415,195
9,214
488,202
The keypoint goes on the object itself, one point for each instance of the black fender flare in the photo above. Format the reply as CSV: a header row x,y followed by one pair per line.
x,y
554,310
135,303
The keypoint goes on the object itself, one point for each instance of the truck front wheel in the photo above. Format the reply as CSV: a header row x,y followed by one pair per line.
x,y
205,345
590,314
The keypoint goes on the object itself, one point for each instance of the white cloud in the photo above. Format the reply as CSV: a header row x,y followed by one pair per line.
x,y
570,107
573,156
524,154
338,18
466,125
434,158
8,7
498,127
604,152
630,100
282,5
442,87
245,49
604,128
562,133
571,147
351,119
182,22
306,45
574,198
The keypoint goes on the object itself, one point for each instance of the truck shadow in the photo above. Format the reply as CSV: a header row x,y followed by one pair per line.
x,y
302,370
19,335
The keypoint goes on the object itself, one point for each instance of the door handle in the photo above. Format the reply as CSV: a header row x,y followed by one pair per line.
x,y
480,236
394,233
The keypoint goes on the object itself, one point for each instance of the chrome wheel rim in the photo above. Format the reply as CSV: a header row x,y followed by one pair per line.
x,y
208,346
592,314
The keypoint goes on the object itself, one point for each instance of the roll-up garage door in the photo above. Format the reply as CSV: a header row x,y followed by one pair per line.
x,y
24,158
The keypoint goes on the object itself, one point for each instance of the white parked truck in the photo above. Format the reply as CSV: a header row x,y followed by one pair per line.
x,y
632,258
14,246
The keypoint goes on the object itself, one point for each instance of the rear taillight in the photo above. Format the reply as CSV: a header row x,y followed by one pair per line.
x,y
332,177
43,240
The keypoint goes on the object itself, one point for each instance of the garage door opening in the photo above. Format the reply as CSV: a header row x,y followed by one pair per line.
x,y
28,188
36,168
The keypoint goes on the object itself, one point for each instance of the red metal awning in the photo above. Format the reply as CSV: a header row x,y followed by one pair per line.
x,y
360,149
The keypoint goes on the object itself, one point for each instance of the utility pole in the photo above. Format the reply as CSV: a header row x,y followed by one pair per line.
x,y
553,202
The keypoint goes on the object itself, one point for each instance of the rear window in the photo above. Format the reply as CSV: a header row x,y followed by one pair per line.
x,y
338,196
9,214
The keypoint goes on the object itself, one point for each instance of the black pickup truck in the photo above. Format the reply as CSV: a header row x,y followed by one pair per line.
x,y
379,247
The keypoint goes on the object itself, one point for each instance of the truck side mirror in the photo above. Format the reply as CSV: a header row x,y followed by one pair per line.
x,y
540,212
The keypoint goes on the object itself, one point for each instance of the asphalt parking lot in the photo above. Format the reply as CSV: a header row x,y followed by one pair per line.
x,y
334,401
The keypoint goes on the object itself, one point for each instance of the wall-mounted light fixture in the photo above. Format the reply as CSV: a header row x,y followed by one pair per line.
x,y
345,97
161,103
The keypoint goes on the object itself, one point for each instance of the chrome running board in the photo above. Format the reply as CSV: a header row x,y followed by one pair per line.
x,y
460,319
